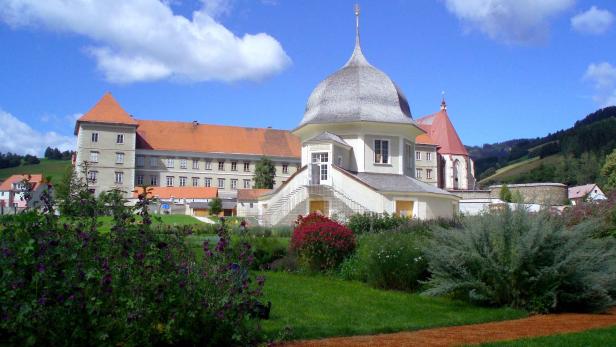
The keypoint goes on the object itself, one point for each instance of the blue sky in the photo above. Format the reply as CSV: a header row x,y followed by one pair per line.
x,y
510,68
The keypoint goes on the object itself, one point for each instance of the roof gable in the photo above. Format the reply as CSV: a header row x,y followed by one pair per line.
x,y
106,110
35,179
441,130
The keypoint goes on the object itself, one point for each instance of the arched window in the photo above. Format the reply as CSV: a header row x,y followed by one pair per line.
x,y
456,174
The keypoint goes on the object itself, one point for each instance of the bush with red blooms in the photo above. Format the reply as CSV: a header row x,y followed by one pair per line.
x,y
320,242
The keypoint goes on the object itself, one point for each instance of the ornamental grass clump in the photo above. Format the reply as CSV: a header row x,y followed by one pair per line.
x,y
321,243
523,260
67,284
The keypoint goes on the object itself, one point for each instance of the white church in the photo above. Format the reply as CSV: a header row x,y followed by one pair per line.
x,y
357,153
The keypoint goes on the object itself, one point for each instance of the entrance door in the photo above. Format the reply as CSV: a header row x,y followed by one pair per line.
x,y
202,212
404,208
320,206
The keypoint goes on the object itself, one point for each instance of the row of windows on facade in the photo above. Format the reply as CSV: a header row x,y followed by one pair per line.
x,y
119,138
170,181
170,163
419,173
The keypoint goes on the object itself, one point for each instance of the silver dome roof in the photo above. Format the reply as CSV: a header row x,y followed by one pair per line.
x,y
357,92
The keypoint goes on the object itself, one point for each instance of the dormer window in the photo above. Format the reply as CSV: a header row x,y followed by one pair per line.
x,y
381,151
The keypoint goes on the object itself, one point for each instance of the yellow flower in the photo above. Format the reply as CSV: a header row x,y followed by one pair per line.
x,y
160,327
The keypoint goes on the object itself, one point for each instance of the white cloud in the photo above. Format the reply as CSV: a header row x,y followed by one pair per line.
x,y
143,40
594,21
603,77
18,137
511,21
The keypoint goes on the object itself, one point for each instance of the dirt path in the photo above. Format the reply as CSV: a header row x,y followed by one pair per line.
x,y
534,326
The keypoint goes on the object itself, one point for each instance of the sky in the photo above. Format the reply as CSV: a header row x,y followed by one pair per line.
x,y
509,68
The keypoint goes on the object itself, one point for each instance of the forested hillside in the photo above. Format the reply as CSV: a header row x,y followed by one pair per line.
x,y
571,156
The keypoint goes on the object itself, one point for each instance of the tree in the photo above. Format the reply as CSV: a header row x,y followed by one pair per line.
x,y
264,174
30,160
215,206
505,194
609,171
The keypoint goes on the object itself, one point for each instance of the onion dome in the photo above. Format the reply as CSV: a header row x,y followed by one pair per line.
x,y
357,92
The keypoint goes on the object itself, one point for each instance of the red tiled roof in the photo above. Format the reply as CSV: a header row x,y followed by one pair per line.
x,y
441,130
106,110
181,192
424,139
251,194
191,137
7,185
580,191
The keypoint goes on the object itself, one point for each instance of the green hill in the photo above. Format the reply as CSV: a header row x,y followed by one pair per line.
x,y
47,167
571,156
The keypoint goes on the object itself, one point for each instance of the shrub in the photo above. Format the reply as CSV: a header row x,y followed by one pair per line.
x,y
265,250
321,243
604,211
389,260
372,222
68,284
524,261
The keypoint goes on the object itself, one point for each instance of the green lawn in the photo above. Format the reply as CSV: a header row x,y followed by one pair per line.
x,y
107,221
590,338
319,306
53,168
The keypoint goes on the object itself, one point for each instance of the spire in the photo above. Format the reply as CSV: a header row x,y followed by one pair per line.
x,y
357,12
358,57
443,103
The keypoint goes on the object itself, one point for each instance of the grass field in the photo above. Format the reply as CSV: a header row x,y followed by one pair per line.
x,y
53,168
520,168
105,222
590,338
319,306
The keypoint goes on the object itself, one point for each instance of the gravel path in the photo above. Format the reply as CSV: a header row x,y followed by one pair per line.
x,y
533,326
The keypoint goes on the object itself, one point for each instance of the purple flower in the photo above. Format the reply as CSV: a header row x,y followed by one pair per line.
x,y
40,267
260,281
42,300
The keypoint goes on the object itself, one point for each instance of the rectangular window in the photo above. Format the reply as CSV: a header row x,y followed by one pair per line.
x,y
119,177
321,159
234,166
246,184
409,158
207,181
92,176
429,173
418,155
381,151
139,180
195,181
120,138
169,181
182,163
285,168
233,184
418,173
182,181
119,158
196,164
246,166
428,156
94,137
94,157
208,165
170,163
153,162
140,161
154,180
221,166
221,183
